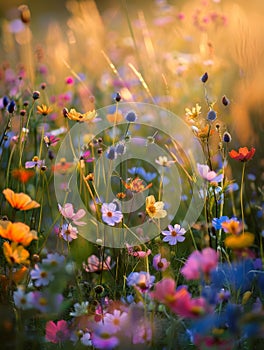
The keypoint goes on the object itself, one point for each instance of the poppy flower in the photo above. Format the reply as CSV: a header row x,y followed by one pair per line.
x,y
243,154
20,201
22,175
44,110
15,254
17,232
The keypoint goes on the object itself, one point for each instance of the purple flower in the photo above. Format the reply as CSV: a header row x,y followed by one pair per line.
x,y
208,174
68,232
159,263
111,153
131,117
103,337
35,163
86,156
45,301
68,213
211,116
115,319
54,260
41,276
174,235
143,281
110,214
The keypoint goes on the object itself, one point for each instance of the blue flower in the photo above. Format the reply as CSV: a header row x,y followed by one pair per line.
x,y
217,223
141,172
131,117
111,153
211,116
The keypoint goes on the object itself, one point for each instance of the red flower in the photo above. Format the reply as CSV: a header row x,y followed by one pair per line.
x,y
243,154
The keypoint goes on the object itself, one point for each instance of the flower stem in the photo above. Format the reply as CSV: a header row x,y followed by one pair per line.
x,y
241,196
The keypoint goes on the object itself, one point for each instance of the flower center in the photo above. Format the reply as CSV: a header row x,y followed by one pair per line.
x,y
160,265
109,214
152,209
174,233
43,274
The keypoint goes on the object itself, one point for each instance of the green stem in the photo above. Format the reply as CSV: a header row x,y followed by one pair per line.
x,y
241,196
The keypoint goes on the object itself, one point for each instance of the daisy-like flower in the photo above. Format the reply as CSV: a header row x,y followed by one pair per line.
x,y
35,163
193,113
243,154
137,251
110,214
155,209
68,213
80,309
51,140
45,301
142,280
54,260
115,319
136,185
174,235
163,161
159,263
20,201
41,276
238,242
81,117
68,232
57,333
104,337
208,174
21,298
94,264
44,110
232,226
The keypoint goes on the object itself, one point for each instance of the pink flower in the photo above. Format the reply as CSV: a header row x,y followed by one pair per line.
x,y
103,336
68,213
165,291
57,333
208,174
94,264
68,232
137,252
159,263
200,263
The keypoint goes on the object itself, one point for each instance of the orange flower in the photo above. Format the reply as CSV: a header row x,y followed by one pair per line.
x,y
115,117
19,275
15,254
155,209
17,232
20,201
203,133
136,185
44,110
80,117
23,175
244,240
243,154
232,226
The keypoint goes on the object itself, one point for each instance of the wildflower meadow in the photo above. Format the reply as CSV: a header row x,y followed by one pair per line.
x,y
131,175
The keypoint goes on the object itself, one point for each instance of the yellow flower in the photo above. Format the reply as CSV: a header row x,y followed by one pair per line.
x,y
115,117
17,232
241,241
193,113
155,209
44,110
20,201
77,116
15,254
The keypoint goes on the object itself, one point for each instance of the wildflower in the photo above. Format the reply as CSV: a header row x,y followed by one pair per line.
x,y
80,309
115,319
69,80
36,162
110,214
142,333
163,161
131,117
17,232
243,154
111,153
208,174
45,301
241,241
94,264
68,232
41,276
11,106
25,14
211,116
139,171
120,148
217,223
136,251
86,156
22,175
159,263
143,281
165,291
86,339
136,185
54,260
204,78
225,101
155,209
51,140
15,254
232,226
199,263
227,137
19,201
193,113
77,116
203,133
57,333
5,101
36,95
103,337
44,110
114,117
174,235
68,213
118,97
21,298
62,167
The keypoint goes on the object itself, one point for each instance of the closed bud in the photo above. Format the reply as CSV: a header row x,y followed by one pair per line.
x,y
99,289
36,95
5,101
65,112
118,97
11,106
25,15
225,101
204,78
211,116
227,137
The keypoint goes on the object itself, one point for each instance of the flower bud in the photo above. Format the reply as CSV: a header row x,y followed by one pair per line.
x,y
227,137
36,95
211,116
118,97
11,106
25,15
131,117
204,78
225,101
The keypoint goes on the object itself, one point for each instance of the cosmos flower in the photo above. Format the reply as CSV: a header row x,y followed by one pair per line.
x,y
22,175
163,161
142,280
103,337
57,333
208,174
68,213
80,309
21,299
237,242
110,214
19,201
136,185
68,232
54,260
94,264
41,276
174,235
243,154
137,251
155,209
35,163
232,226
159,263
115,319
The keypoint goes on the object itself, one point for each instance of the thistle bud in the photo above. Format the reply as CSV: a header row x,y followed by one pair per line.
x,y
118,97
36,95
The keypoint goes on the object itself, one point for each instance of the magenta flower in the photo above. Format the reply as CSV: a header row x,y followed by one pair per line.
x,y
174,235
103,337
165,291
208,174
86,156
68,213
199,264
57,333
94,264
159,263
68,232
110,214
